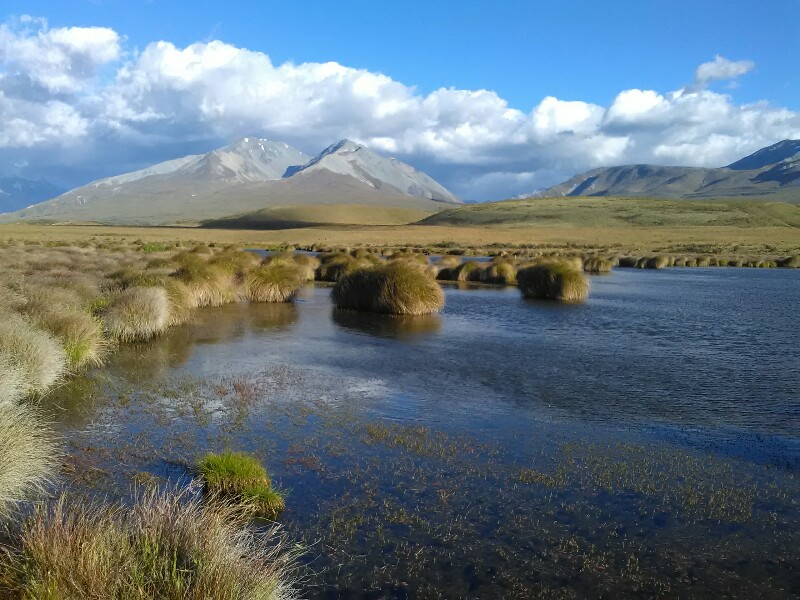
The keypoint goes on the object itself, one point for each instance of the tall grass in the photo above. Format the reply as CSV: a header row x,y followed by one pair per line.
x,y
208,285
35,356
553,281
396,288
468,271
273,282
29,454
307,266
335,266
500,272
137,314
12,381
167,546
598,264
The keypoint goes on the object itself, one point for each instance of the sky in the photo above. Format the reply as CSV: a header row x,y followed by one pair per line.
x,y
493,99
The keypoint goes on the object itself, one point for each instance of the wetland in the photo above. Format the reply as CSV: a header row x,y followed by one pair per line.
x,y
643,443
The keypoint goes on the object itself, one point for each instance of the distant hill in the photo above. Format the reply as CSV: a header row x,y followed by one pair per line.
x,y
772,173
616,212
251,175
17,193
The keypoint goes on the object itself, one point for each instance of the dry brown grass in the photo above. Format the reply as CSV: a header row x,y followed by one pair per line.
x,y
29,454
733,241
36,357
273,282
137,314
167,546
554,281
397,288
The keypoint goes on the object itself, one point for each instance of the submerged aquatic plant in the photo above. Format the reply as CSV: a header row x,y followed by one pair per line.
x,y
397,288
553,281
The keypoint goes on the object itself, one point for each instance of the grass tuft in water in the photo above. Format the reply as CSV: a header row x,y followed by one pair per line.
x,y
397,288
273,282
554,281
238,477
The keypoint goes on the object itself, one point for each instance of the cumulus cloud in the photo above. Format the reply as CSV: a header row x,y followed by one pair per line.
x,y
721,69
167,100
64,59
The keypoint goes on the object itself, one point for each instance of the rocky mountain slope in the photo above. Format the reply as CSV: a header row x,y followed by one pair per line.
x,y
250,175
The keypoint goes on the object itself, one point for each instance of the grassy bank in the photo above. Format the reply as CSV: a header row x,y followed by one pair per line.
x,y
762,240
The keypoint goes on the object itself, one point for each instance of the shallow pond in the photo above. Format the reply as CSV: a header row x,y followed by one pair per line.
x,y
646,443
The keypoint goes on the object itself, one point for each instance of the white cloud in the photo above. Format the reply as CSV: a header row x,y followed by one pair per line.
x,y
189,99
721,69
63,59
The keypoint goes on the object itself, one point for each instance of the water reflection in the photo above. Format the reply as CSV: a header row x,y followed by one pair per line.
x,y
401,327
145,364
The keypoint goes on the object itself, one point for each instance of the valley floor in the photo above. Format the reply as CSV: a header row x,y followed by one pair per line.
x,y
727,240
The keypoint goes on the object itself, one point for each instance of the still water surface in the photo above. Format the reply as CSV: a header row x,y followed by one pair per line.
x,y
645,443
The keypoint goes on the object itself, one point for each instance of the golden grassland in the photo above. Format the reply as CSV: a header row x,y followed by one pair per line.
x,y
729,240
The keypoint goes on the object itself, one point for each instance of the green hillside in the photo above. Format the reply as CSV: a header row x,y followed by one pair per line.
x,y
578,211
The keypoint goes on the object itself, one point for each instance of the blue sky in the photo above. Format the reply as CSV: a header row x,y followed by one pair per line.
x,y
522,51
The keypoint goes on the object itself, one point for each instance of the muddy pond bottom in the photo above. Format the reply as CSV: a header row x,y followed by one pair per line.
x,y
646,443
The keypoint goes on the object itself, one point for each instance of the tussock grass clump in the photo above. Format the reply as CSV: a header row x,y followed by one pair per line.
x,y
397,288
655,262
81,335
335,266
239,478
29,454
598,264
500,272
168,545
137,314
553,281
703,261
468,271
12,381
35,356
60,311
790,262
273,282
233,261
446,268
208,285
307,265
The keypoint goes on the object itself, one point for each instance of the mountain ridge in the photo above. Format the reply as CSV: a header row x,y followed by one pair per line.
x,y
770,173
248,175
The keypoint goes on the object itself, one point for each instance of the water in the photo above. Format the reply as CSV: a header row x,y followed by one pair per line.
x,y
644,443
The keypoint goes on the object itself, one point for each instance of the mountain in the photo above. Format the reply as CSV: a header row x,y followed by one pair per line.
x,y
772,173
356,161
250,175
787,149
17,193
